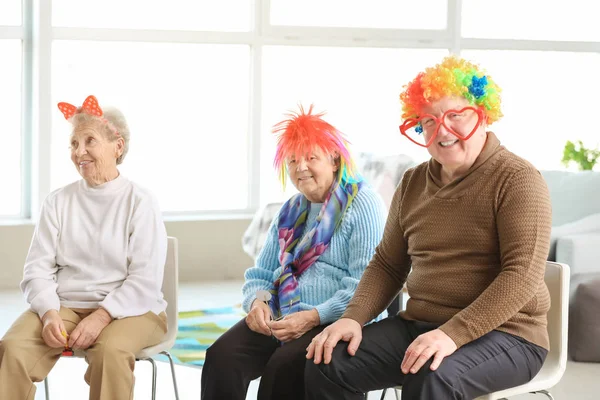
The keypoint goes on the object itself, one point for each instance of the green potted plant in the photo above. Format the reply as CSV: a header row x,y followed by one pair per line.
x,y
585,158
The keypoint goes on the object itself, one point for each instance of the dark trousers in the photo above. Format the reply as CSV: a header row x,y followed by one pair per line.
x,y
493,362
241,355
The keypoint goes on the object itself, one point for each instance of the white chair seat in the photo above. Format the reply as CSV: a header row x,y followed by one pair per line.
x,y
154,350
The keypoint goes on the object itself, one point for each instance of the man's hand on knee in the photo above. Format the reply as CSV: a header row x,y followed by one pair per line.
x,y
322,345
434,344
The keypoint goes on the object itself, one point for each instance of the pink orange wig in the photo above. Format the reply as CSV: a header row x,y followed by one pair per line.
x,y
452,77
301,133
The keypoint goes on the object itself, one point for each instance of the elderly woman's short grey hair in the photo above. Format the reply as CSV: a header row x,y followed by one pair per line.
x,y
116,118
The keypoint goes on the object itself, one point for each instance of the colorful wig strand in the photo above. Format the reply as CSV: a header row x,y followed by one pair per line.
x,y
301,133
454,76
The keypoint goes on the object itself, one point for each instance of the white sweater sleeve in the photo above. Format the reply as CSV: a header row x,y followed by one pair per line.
x,y
147,253
39,274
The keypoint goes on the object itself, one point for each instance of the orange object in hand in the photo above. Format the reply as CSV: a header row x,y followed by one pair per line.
x,y
68,352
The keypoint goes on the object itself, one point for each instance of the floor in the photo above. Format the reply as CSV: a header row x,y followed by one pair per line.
x,y
580,382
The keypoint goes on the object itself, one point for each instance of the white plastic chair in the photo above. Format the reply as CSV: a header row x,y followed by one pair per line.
x,y
170,289
557,279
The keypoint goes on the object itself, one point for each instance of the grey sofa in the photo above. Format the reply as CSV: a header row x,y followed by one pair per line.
x,y
575,200
575,223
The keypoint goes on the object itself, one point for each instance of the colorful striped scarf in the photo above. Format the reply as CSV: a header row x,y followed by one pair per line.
x,y
297,251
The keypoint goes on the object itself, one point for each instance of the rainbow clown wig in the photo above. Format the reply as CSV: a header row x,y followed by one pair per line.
x,y
301,133
452,77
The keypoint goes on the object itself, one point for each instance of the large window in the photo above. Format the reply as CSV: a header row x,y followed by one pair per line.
x,y
187,107
10,104
531,19
552,100
391,14
202,82
183,15
357,88
10,12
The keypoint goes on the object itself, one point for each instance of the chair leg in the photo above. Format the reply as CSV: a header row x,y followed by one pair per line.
x,y
397,393
166,353
547,393
151,361
46,389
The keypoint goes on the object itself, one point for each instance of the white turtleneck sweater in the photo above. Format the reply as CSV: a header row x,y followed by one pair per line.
x,y
102,246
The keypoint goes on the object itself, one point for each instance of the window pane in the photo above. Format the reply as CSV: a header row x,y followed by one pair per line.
x,y
10,12
10,104
187,107
197,15
357,87
551,100
391,14
534,20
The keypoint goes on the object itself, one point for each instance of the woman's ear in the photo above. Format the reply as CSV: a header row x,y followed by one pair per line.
x,y
336,161
120,146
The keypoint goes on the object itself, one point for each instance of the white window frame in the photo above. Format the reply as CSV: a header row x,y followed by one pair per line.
x,y
18,33
37,34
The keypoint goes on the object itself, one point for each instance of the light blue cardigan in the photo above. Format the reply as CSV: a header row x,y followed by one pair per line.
x,y
329,284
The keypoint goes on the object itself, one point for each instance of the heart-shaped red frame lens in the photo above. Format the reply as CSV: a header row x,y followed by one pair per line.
x,y
413,122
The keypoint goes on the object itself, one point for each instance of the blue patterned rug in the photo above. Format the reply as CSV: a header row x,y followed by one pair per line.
x,y
198,330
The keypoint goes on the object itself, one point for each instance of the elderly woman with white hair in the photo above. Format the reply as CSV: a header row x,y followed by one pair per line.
x,y
94,271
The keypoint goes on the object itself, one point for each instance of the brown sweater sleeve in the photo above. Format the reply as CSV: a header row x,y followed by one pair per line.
x,y
387,270
523,221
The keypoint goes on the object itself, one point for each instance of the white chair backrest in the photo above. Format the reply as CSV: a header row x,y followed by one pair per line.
x,y
170,287
557,279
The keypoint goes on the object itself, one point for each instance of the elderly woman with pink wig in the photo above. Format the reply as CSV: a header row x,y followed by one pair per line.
x,y
316,251
472,226
94,271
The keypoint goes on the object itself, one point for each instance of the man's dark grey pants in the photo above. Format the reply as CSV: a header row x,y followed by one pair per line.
x,y
493,362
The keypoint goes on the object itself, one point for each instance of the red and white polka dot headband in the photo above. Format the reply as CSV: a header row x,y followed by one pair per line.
x,y
90,106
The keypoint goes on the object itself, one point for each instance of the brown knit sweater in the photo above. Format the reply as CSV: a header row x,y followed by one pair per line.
x,y
476,250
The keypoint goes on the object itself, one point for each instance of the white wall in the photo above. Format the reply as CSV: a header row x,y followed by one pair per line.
x,y
208,250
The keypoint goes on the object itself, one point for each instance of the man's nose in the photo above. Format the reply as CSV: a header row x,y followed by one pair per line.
x,y
443,131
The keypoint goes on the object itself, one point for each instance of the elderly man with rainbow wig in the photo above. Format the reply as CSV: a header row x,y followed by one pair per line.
x,y
472,226
316,251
